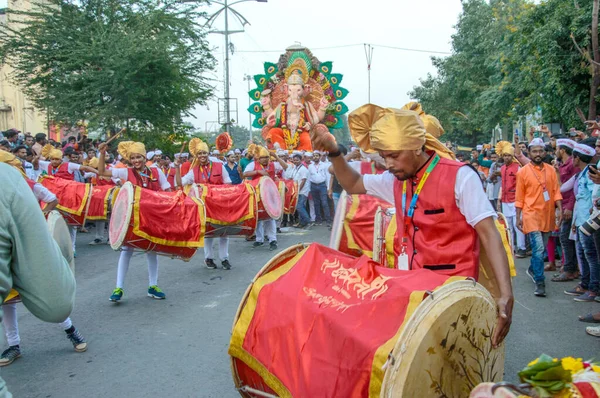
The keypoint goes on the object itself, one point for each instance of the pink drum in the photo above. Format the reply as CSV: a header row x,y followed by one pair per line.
x,y
268,197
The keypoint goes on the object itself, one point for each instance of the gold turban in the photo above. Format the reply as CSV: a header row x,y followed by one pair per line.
x,y
49,152
128,148
197,145
258,151
504,147
93,163
390,129
9,158
431,123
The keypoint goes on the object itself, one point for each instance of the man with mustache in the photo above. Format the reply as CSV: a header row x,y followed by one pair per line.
x,y
442,211
538,195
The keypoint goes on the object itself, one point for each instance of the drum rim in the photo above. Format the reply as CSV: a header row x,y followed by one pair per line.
x,y
107,200
403,346
336,229
126,189
297,248
267,180
55,221
377,224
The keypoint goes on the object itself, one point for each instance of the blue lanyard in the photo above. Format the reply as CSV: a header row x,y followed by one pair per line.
x,y
413,202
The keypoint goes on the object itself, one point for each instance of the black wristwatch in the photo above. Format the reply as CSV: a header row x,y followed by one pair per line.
x,y
334,154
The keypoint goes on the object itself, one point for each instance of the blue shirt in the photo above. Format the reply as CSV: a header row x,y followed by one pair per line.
x,y
583,198
234,173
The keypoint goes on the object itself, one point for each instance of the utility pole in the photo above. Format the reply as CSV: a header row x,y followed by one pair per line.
x,y
369,55
226,8
249,79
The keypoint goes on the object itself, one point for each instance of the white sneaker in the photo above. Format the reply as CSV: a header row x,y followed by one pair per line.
x,y
593,330
96,242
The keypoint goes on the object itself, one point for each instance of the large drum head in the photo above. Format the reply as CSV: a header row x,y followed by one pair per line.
x,y
445,349
60,232
338,222
270,198
121,216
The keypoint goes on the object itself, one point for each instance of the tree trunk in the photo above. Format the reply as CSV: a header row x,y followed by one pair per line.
x,y
594,65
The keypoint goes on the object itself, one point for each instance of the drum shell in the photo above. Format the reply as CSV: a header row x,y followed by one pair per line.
x,y
267,190
101,199
64,189
289,190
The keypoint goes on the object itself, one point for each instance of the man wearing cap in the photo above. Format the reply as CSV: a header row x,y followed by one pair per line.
x,y
298,172
508,175
232,168
566,170
441,208
150,159
589,288
538,195
317,175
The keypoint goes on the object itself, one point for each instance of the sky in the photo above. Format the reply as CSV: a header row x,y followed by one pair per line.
x,y
334,30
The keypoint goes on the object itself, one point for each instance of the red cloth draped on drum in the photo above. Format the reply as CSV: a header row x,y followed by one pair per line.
x,y
358,229
99,200
228,204
73,197
290,196
166,219
323,324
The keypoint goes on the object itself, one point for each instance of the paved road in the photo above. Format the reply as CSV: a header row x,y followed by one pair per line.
x,y
178,347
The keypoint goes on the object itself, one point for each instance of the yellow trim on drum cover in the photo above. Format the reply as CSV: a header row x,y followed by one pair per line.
x,y
390,236
202,215
511,261
382,353
106,199
249,216
243,323
136,227
349,237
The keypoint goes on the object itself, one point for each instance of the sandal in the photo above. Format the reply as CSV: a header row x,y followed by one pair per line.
x,y
589,318
562,278
550,268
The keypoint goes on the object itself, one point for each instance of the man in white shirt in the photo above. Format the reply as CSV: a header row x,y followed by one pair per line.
x,y
299,173
21,153
317,175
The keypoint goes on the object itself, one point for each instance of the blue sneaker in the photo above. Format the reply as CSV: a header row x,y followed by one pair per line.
x,y
116,295
156,293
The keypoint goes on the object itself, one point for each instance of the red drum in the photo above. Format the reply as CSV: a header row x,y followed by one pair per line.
x,y
383,220
353,225
101,201
289,192
345,327
268,197
73,198
230,209
168,223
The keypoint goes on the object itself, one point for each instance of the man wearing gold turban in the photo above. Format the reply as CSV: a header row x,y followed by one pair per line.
x,y
206,170
263,167
56,167
442,212
146,177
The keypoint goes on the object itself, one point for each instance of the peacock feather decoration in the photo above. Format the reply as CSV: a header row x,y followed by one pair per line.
x,y
320,83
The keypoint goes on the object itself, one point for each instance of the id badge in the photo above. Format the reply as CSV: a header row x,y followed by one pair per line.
x,y
403,261
546,196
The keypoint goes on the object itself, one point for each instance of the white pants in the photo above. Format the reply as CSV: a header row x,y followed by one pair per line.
x,y
508,209
11,324
73,231
125,258
100,229
223,248
311,208
266,227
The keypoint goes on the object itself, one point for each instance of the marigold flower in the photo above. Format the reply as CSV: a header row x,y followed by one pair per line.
x,y
571,364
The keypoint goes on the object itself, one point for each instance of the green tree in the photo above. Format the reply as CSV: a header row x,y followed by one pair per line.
x,y
111,62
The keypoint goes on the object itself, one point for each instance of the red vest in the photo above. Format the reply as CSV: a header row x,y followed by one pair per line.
x,y
185,167
170,174
61,171
270,169
509,182
31,183
215,177
369,168
153,184
439,237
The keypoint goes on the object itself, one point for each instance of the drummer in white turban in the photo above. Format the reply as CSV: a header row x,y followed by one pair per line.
x,y
442,211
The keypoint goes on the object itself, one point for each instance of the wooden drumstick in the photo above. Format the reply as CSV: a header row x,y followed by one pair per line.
x,y
115,136
182,148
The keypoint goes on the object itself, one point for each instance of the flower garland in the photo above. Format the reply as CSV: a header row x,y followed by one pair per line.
x,y
291,141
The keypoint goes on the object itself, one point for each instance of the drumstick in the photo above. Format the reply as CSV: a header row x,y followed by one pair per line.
x,y
115,136
182,148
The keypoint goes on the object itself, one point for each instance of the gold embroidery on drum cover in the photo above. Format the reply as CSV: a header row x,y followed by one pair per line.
x,y
351,280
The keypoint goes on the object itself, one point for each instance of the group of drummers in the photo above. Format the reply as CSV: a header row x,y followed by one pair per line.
x,y
442,213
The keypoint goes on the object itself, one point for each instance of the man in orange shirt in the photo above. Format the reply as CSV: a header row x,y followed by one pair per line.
x,y
538,195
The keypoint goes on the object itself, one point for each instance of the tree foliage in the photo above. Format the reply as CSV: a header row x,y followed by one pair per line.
x,y
509,59
111,61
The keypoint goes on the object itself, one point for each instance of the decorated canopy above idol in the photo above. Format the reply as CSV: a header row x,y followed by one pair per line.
x,y
294,96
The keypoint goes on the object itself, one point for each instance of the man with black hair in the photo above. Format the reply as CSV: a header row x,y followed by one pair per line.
x,y
589,288
40,141
11,136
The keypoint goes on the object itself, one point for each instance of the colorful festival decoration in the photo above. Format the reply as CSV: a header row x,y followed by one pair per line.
x,y
294,96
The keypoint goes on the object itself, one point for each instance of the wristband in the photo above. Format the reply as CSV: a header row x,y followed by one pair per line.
x,y
334,154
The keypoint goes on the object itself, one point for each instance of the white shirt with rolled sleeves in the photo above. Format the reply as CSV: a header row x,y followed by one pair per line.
x,y
298,174
250,167
42,193
188,179
122,174
317,173
468,193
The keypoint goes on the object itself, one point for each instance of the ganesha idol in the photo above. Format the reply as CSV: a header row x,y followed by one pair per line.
x,y
295,96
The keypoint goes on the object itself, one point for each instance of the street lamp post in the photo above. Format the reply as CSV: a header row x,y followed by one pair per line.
x,y
226,7
249,79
